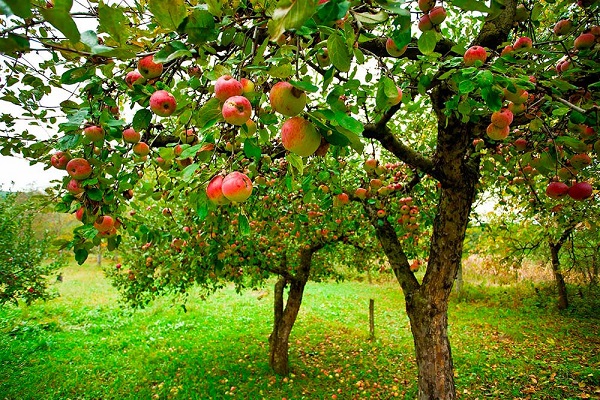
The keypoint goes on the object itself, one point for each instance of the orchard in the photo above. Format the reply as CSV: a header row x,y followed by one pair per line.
x,y
268,132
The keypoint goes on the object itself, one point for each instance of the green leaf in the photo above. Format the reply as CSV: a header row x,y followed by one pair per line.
x,y
536,11
296,162
172,51
200,27
243,225
251,148
471,5
493,98
168,13
81,255
573,143
427,42
466,86
208,115
371,19
332,11
306,86
21,8
348,122
113,21
13,43
90,39
77,75
141,120
386,91
189,171
395,6
59,16
290,14
95,194
339,53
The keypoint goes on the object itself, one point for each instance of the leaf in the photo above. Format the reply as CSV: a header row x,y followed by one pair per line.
x,y
427,42
113,21
571,142
13,43
141,119
466,86
394,6
77,75
306,86
251,148
536,11
471,5
81,255
371,19
200,27
189,171
332,11
296,162
208,115
170,52
168,13
339,53
90,39
59,16
95,194
386,91
290,14
493,98
348,122
21,8
243,224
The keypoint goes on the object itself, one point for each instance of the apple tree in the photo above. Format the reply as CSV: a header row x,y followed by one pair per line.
x,y
283,79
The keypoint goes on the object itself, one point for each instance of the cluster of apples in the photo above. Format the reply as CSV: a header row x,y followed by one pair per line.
x,y
585,41
377,187
236,187
577,191
162,103
409,214
432,17
235,108
499,128
523,43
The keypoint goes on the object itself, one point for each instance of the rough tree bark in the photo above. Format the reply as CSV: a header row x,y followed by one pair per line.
x,y
285,317
555,247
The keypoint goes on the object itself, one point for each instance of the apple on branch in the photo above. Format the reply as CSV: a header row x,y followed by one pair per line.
x,y
148,68
287,99
226,87
162,103
236,187
236,110
300,136
79,168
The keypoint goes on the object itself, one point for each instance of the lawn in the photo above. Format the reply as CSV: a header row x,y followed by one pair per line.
x,y
508,343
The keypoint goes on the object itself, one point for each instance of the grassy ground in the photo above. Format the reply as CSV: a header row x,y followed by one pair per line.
x,y
508,343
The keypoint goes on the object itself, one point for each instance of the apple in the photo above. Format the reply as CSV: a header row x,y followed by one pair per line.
x,y
556,190
104,223
426,5
79,168
584,41
162,103
437,15
226,87
343,198
375,183
131,136
60,159
134,78
236,110
507,50
392,49
502,118
563,27
580,161
141,149
370,165
287,99
395,100
523,43
361,193
148,68
381,213
473,55
74,187
519,97
300,136
323,58
425,23
236,187
516,109
597,147
566,173
214,191
580,191
94,133
497,133
520,144
247,86
79,213
188,136
195,70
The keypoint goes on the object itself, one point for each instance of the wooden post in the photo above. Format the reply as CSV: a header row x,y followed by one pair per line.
x,y
371,319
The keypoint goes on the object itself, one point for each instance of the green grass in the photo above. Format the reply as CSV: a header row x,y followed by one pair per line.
x,y
508,343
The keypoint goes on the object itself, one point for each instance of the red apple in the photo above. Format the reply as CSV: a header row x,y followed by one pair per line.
x,y
563,27
131,136
79,168
497,133
74,187
381,213
507,50
104,223
523,43
580,191
94,133
519,97
148,68
474,54
502,118
520,144
236,187
343,198
214,191
134,78
395,100
584,41
426,5
425,23
392,49
556,190
162,103
580,161
361,193
60,159
437,15
79,213
300,136
226,87
370,165
236,110
287,99
141,149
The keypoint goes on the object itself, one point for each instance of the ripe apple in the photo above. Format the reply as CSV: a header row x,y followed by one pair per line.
x,y
74,187
214,191
79,213
94,133
134,78
236,110
497,133
60,159
584,41
395,100
437,15
556,190
502,118
520,144
131,136
361,193
104,223
370,165
148,68
236,187
426,5
580,191
507,50
425,23
226,87
247,86
563,27
287,99
523,43
381,213
300,136
343,198
141,149
79,168
162,103
474,54
392,49
516,109
580,161
519,97
188,136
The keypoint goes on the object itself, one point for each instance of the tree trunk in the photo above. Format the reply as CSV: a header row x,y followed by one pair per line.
x,y
459,280
563,299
